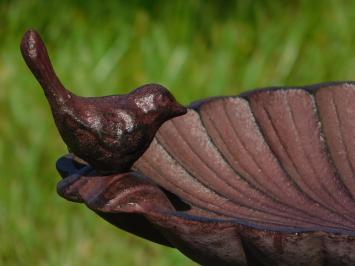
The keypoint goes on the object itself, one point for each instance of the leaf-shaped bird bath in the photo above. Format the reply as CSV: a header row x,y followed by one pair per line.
x,y
265,178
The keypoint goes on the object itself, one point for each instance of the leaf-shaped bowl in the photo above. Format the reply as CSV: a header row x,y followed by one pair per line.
x,y
264,178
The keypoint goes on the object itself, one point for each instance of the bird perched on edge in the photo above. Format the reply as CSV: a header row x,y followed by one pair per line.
x,y
110,133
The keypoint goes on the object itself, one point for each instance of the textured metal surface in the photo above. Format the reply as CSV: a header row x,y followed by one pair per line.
x,y
265,178
259,175
108,132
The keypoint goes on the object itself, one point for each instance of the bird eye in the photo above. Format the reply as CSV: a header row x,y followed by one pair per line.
x,y
159,98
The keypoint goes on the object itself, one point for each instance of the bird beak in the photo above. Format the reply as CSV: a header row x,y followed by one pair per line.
x,y
179,109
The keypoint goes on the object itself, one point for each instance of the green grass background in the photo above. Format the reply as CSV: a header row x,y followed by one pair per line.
x,y
195,48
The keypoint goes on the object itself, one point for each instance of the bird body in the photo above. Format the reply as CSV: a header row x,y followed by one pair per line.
x,y
109,132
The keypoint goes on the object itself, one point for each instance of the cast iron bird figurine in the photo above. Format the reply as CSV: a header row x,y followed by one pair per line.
x,y
110,133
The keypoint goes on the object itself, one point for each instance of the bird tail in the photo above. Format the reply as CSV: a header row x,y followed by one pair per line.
x,y
36,56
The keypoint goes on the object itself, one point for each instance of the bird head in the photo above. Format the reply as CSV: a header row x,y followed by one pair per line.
x,y
157,102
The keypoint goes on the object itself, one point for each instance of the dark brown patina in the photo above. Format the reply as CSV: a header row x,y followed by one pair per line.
x,y
265,178
109,132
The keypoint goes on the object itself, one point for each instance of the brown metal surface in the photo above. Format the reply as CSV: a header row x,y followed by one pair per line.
x,y
110,132
265,178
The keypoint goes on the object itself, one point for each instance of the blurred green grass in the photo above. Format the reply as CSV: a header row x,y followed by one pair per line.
x,y
196,48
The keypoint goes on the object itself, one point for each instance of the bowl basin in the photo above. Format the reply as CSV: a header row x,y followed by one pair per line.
x,y
264,178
